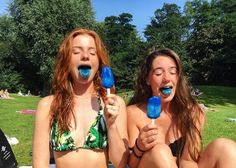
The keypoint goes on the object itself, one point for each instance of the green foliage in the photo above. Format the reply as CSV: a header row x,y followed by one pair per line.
x,y
11,80
125,48
42,24
168,28
229,51
207,44
119,32
203,34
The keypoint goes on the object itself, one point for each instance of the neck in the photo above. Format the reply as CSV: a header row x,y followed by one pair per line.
x,y
166,107
83,90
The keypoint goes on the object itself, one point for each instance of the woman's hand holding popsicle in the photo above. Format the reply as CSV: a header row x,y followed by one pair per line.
x,y
111,104
111,109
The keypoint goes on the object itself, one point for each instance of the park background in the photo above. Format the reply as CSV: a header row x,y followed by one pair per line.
x,y
202,32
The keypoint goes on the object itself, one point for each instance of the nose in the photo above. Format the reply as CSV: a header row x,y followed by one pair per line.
x,y
166,77
85,56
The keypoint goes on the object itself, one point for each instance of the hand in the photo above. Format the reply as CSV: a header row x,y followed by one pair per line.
x,y
111,109
147,137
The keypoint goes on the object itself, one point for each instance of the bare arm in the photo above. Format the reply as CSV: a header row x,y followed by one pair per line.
x,y
133,133
41,150
117,131
186,161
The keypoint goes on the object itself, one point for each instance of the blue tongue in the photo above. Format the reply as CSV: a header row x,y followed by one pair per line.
x,y
166,91
84,72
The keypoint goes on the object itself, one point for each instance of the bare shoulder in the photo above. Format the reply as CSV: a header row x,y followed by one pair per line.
x,y
133,111
132,108
46,101
44,105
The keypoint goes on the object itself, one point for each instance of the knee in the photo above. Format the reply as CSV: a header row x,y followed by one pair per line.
x,y
160,149
161,153
224,146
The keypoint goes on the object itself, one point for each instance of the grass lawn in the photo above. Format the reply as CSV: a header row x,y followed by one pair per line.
x,y
221,102
19,125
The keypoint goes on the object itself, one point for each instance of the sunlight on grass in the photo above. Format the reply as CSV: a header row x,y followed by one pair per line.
x,y
221,102
19,125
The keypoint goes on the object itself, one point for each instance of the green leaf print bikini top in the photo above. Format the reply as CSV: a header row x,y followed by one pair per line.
x,y
95,139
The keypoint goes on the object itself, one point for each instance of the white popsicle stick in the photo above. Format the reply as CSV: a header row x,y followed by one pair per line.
x,y
153,121
108,91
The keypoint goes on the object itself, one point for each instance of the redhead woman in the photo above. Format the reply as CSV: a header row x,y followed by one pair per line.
x,y
85,126
174,140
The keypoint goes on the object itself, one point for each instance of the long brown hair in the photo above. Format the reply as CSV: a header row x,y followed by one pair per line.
x,y
185,107
62,105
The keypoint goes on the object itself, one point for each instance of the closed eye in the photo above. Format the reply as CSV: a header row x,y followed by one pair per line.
x,y
93,53
158,71
76,52
173,70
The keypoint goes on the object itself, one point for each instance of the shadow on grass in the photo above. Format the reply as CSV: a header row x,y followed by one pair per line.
x,y
217,95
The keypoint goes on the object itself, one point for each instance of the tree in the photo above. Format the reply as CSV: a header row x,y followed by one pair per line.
x,y
206,41
42,24
169,28
228,15
125,48
11,79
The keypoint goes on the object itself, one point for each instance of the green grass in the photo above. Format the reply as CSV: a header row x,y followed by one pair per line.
x,y
221,101
19,125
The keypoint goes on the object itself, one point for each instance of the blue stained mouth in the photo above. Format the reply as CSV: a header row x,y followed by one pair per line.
x,y
166,90
85,71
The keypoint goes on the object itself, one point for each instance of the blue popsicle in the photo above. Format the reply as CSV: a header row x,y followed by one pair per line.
x,y
154,108
107,78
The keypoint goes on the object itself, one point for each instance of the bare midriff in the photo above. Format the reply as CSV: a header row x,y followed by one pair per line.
x,y
81,158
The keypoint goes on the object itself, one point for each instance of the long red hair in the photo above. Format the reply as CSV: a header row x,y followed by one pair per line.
x,y
62,105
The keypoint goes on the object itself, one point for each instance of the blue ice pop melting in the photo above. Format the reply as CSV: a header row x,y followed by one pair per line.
x,y
107,77
154,107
